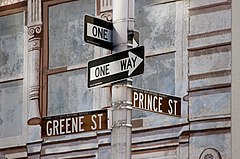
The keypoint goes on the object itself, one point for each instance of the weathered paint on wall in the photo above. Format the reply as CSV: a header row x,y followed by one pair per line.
x,y
9,2
68,93
11,46
209,78
11,67
66,45
11,110
155,35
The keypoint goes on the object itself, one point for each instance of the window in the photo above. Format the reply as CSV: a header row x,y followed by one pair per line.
x,y
159,27
65,56
156,23
13,81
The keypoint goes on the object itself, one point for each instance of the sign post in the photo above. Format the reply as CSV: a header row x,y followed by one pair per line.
x,y
121,136
116,67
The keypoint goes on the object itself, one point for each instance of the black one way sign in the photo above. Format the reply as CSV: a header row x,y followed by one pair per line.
x,y
116,67
98,32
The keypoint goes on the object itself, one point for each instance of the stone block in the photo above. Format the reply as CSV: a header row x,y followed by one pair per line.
x,y
202,42
210,21
209,105
200,3
220,142
210,81
209,63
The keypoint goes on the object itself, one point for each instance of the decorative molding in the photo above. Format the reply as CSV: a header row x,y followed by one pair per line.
x,y
34,149
211,5
196,48
210,153
35,30
105,5
210,8
215,74
34,11
34,40
34,92
34,53
106,16
34,46
208,34
104,9
207,90
9,2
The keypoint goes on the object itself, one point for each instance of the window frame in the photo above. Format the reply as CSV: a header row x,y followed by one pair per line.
x,y
20,139
178,50
181,70
45,70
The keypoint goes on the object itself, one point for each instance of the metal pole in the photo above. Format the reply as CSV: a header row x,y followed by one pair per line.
x,y
121,94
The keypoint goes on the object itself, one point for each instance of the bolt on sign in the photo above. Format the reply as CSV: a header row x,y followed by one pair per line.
x,y
156,102
74,123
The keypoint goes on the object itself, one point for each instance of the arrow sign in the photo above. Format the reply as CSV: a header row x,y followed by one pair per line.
x,y
135,39
116,67
128,64
98,32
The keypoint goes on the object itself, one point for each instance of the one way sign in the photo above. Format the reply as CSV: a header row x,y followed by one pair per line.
x,y
98,32
116,67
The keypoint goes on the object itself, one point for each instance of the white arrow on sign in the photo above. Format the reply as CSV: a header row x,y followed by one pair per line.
x,y
127,64
135,44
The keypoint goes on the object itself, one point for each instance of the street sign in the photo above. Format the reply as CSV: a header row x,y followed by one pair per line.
x,y
135,40
156,102
116,67
75,123
98,32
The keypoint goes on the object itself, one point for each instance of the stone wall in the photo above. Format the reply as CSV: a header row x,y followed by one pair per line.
x,y
209,78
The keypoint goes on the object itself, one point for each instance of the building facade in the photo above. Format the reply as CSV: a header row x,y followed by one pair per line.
x,y
43,71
